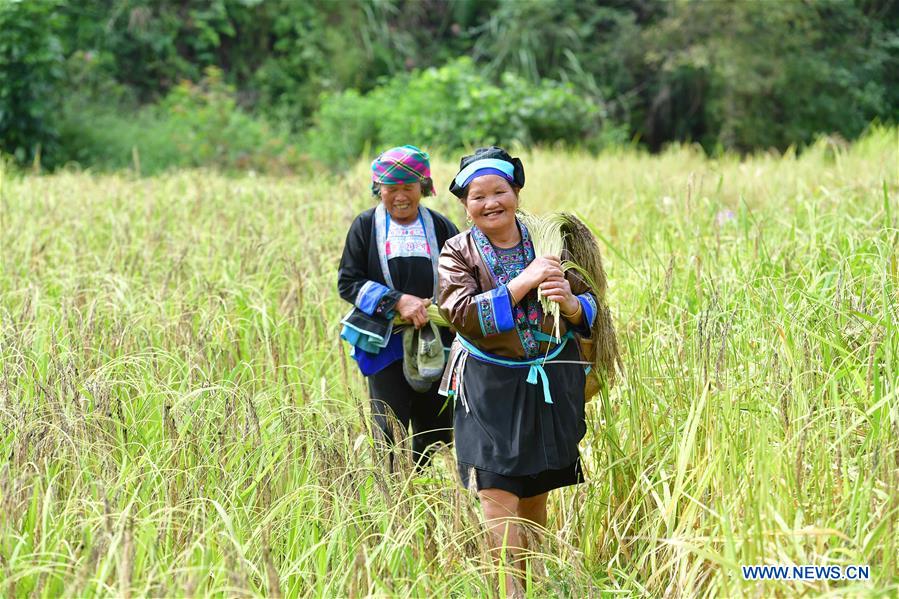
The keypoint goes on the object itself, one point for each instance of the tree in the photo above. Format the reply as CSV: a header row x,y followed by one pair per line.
x,y
754,75
31,69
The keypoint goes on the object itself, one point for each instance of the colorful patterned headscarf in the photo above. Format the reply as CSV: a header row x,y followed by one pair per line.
x,y
404,164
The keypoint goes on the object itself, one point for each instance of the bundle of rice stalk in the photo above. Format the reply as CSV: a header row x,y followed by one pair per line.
x,y
584,257
567,236
549,240
433,315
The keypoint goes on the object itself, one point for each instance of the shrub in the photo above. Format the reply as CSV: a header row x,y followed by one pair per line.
x,y
194,125
452,107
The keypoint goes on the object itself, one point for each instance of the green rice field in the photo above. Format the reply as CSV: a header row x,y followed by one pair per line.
x,y
178,416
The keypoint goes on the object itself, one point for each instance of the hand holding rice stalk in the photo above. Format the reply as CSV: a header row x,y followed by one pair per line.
x,y
433,316
555,233
549,240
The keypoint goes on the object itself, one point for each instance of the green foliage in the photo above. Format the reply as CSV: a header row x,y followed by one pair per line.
x,y
194,125
31,62
281,54
453,106
321,46
743,76
154,45
307,58
767,74
209,128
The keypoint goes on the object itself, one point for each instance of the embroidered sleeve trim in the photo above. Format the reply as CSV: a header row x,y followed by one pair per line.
x,y
495,311
386,304
369,297
588,303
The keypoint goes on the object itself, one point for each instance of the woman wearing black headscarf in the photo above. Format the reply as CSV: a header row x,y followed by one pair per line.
x,y
521,389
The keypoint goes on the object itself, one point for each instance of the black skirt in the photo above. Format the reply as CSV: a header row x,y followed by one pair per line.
x,y
509,430
522,486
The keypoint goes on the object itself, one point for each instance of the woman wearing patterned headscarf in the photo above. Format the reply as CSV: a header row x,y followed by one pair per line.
x,y
389,268
521,390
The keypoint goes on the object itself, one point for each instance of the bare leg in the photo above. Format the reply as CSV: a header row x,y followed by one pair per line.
x,y
534,510
500,507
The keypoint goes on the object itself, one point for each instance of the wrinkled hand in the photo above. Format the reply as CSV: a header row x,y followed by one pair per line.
x,y
413,309
558,290
541,269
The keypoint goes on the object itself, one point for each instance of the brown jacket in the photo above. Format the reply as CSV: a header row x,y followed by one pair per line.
x,y
464,281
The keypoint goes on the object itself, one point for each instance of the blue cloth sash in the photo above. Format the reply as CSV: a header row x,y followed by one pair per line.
x,y
535,367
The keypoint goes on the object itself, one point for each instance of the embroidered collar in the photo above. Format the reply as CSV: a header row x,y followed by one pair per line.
x,y
382,223
527,313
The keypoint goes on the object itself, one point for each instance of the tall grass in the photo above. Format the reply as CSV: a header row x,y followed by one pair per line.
x,y
178,416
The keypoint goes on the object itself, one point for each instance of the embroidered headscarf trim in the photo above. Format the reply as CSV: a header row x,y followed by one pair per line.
x,y
487,161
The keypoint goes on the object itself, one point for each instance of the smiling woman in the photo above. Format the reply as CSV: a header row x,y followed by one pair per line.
x,y
389,268
520,387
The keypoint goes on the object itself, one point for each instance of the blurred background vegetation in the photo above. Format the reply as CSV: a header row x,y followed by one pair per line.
x,y
283,85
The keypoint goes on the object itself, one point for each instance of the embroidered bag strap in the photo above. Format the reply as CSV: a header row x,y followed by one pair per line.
x,y
427,222
382,222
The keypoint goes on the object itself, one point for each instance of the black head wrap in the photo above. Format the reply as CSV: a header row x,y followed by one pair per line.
x,y
514,173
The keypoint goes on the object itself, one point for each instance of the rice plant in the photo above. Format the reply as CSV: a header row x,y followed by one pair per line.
x,y
179,418
566,235
583,256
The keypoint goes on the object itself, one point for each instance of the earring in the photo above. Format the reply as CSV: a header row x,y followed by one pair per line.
x,y
468,220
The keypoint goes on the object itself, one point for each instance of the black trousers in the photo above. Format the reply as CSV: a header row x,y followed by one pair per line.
x,y
430,414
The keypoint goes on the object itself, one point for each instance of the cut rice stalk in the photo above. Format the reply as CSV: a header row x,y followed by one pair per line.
x,y
584,257
549,240
554,234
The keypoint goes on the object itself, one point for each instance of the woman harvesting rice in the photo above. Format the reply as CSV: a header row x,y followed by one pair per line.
x,y
521,390
388,268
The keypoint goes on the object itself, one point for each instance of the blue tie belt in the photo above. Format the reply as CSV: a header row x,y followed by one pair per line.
x,y
535,366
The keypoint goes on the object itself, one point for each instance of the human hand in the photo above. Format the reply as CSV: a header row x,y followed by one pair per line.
x,y
413,309
541,269
558,290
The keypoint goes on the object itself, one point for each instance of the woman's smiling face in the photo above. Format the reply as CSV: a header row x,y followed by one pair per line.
x,y
491,204
401,201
